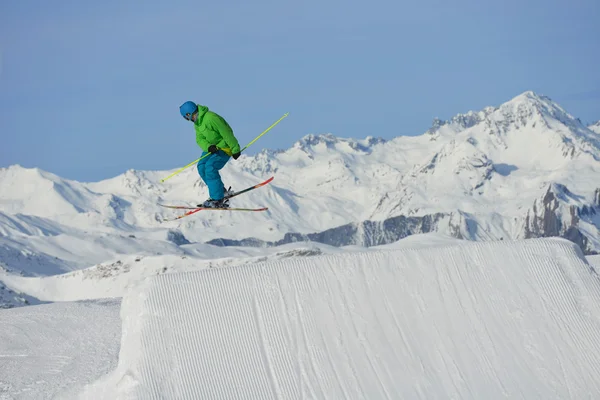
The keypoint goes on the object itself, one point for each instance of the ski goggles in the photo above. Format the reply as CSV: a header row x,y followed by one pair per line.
x,y
188,116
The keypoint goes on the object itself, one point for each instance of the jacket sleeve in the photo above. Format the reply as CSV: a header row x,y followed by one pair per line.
x,y
221,126
201,140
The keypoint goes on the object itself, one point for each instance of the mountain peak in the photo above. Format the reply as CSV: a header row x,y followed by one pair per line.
x,y
19,173
531,96
518,112
529,103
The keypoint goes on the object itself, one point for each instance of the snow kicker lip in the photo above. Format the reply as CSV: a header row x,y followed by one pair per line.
x,y
512,317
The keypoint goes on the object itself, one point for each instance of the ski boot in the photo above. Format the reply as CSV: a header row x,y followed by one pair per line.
x,y
211,203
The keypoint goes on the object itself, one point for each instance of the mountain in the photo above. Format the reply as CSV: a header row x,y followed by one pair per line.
x,y
595,127
526,168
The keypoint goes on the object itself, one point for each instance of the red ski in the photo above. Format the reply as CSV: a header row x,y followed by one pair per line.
x,y
194,210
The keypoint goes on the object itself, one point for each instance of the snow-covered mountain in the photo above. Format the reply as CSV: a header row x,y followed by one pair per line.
x,y
524,169
595,127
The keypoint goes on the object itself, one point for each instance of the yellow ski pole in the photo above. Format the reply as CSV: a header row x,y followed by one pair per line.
x,y
248,145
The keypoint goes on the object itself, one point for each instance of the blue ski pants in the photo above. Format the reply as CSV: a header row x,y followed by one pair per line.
x,y
208,168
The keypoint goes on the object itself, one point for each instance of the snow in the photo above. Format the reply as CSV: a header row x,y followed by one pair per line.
x,y
471,321
494,317
56,349
594,261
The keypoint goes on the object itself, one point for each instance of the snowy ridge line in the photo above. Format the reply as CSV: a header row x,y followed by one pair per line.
x,y
481,320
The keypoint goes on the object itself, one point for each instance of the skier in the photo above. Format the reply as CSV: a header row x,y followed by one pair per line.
x,y
215,136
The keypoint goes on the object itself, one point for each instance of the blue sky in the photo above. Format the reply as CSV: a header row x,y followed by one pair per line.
x,y
91,89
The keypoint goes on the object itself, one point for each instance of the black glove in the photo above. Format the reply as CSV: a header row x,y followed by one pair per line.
x,y
213,149
236,155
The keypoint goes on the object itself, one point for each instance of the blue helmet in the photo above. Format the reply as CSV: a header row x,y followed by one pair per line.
x,y
187,109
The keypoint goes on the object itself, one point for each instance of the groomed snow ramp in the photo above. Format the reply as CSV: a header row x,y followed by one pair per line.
x,y
517,320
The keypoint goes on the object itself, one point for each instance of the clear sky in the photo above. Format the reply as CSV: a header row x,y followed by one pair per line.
x,y
90,89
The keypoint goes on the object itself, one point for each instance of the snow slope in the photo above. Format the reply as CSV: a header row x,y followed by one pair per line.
x,y
481,320
51,351
594,261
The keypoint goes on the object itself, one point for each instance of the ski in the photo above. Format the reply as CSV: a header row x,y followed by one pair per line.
x,y
250,188
226,197
179,207
193,210
196,209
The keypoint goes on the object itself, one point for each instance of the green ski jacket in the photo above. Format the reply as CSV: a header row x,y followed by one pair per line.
x,y
211,128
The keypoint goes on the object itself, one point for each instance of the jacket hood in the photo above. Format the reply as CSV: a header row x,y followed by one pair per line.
x,y
202,110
